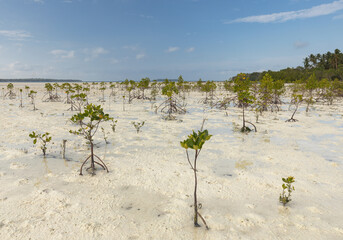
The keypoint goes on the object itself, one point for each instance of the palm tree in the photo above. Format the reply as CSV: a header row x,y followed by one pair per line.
x,y
306,63
336,55
313,59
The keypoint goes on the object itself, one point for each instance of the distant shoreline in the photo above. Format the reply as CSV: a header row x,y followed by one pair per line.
x,y
38,80
31,80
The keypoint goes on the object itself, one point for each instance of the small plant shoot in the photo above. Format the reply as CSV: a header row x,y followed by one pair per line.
x,y
195,141
286,186
104,135
89,121
138,125
113,125
32,95
42,138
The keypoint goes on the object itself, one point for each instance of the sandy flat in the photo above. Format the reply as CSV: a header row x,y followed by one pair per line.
x,y
148,192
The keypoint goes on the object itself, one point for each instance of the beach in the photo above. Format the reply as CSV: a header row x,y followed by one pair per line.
x,y
148,192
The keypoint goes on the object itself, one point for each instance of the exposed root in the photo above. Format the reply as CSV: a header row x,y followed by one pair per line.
x,y
292,120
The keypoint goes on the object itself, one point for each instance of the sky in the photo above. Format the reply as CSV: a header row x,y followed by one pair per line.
x,y
111,40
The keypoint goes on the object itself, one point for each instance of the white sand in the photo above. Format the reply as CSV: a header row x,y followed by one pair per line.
x,y
148,192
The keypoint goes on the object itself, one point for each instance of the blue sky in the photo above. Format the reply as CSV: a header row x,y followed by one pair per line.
x,y
109,40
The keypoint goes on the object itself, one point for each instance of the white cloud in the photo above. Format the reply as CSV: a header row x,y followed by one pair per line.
x,y
191,49
98,51
140,56
94,53
16,67
320,10
131,47
15,34
63,53
172,49
300,44
19,69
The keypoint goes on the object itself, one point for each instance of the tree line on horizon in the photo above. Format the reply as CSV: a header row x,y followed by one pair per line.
x,y
328,65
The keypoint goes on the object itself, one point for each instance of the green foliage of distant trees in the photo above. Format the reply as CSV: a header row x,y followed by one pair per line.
x,y
328,65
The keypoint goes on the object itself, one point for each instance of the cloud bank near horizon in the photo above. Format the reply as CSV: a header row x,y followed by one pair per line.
x,y
316,11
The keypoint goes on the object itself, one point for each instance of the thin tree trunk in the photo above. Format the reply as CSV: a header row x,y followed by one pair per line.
x,y
243,118
92,158
195,191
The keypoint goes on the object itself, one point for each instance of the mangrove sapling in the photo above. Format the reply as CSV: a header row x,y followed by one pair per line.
x,y
123,103
129,89
89,121
78,101
27,90
56,87
325,91
208,88
287,185
310,86
68,90
10,93
50,96
171,104
104,135
278,89
154,90
43,138
32,95
228,86
64,146
181,87
264,95
113,125
241,87
86,90
138,125
102,89
112,87
143,85
198,85
77,88
296,101
195,141
21,98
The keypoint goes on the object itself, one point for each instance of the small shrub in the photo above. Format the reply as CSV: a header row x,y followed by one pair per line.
x,y
43,138
89,121
296,101
10,93
287,185
242,89
138,125
171,104
32,95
